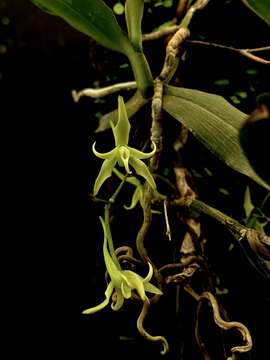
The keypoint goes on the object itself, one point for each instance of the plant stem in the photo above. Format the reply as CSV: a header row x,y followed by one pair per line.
x,y
109,235
199,5
107,208
226,220
142,72
232,225
117,191
245,52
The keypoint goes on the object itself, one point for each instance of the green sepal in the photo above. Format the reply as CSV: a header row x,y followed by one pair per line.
x,y
142,170
122,128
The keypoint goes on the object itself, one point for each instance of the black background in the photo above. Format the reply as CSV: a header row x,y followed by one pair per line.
x,y
54,231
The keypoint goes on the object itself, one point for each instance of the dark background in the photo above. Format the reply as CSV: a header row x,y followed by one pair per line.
x,y
54,231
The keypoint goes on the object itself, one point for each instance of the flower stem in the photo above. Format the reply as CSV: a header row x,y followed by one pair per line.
x,y
107,221
117,191
109,235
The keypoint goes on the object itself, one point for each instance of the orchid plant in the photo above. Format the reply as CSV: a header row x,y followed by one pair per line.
x,y
214,121
123,282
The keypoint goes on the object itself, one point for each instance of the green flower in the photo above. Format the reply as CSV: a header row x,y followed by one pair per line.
x,y
138,195
123,154
123,282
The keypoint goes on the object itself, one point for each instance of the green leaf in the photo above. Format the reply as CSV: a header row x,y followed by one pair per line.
x,y
39,4
260,7
134,14
95,19
91,17
214,122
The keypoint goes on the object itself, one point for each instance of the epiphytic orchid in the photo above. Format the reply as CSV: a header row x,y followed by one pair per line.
x,y
123,282
123,154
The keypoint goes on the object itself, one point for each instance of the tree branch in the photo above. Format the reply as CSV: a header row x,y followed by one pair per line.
x,y
98,93
255,244
155,35
245,52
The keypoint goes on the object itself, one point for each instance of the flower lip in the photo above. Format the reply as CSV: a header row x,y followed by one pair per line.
x,y
124,154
